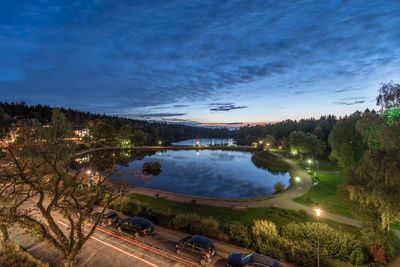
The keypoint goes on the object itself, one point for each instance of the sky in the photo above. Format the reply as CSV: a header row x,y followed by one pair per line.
x,y
200,62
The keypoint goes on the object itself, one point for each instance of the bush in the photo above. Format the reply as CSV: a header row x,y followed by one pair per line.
x,y
193,202
337,244
131,208
264,230
12,256
279,187
238,234
153,168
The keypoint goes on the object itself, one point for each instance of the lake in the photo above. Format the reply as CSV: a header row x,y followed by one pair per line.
x,y
207,173
206,142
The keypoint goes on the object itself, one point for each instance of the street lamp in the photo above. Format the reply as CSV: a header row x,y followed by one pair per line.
x,y
160,142
260,142
89,172
318,213
297,182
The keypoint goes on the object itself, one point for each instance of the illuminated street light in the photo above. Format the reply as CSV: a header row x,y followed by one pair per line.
x,y
89,172
280,147
197,143
318,213
160,142
260,142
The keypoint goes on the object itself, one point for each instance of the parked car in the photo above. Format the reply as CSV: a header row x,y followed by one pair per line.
x,y
253,259
198,248
136,226
108,218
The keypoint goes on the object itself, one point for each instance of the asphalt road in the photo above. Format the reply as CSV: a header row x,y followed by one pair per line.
x,y
109,248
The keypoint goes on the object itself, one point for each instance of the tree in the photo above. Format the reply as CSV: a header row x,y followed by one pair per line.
x,y
389,95
139,138
305,143
375,183
102,131
346,143
269,141
40,162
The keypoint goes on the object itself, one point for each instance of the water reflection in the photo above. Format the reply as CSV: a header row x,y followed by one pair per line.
x,y
206,142
209,173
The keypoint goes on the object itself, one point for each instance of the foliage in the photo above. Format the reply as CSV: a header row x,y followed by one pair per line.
x,y
376,183
238,234
279,187
336,244
11,255
264,230
269,161
269,141
153,168
44,183
305,143
346,143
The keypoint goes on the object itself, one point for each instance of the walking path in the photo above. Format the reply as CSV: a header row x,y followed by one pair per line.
x,y
284,200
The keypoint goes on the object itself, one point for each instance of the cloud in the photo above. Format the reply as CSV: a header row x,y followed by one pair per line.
x,y
112,57
227,108
153,115
350,103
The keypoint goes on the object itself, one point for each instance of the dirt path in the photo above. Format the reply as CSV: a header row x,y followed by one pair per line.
x,y
284,200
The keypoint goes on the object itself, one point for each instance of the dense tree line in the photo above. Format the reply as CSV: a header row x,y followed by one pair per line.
x,y
319,127
106,126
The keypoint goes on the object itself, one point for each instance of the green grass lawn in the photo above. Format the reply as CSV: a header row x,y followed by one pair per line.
x,y
228,215
325,194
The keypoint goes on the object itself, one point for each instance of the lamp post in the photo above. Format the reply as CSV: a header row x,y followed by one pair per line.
x,y
160,143
297,184
318,213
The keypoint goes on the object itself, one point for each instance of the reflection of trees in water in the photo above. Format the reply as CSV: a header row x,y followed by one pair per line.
x,y
108,159
265,160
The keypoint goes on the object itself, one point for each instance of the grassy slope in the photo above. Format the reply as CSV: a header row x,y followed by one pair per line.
x,y
228,215
325,193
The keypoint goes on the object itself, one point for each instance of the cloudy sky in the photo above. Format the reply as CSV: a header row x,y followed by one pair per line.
x,y
200,61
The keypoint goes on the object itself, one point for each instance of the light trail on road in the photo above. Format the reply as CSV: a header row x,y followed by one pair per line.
x,y
118,249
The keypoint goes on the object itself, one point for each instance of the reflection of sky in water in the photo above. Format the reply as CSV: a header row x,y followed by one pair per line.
x,y
206,142
209,173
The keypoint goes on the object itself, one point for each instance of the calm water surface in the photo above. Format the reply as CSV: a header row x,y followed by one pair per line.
x,y
206,142
209,173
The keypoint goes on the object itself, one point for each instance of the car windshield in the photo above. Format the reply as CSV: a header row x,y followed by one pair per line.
x,y
247,259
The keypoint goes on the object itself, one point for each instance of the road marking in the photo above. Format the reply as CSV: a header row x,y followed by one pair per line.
x,y
120,250
156,251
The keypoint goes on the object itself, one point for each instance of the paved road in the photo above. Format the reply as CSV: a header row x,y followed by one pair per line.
x,y
284,200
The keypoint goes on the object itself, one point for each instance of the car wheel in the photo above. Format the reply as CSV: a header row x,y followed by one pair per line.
x,y
203,262
179,252
137,235
119,230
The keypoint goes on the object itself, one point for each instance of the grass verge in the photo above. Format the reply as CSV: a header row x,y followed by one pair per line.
x,y
325,193
224,215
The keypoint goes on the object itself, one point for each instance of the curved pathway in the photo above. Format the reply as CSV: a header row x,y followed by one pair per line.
x,y
283,200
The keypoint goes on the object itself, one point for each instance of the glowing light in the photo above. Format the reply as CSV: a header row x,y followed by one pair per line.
x,y
260,142
297,179
318,212
160,143
89,172
309,161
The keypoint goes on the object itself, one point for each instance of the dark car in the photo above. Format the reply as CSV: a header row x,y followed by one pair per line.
x,y
136,226
108,218
198,248
254,259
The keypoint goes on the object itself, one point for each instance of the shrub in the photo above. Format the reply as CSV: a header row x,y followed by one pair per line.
x,y
12,256
238,234
153,168
193,202
279,187
264,230
131,208
337,244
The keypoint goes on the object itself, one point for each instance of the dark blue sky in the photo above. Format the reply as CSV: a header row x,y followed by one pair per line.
x,y
199,61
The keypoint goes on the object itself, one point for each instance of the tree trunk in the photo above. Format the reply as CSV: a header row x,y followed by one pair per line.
x,y
68,261
4,234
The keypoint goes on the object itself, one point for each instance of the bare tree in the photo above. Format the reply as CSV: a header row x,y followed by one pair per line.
x,y
43,187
